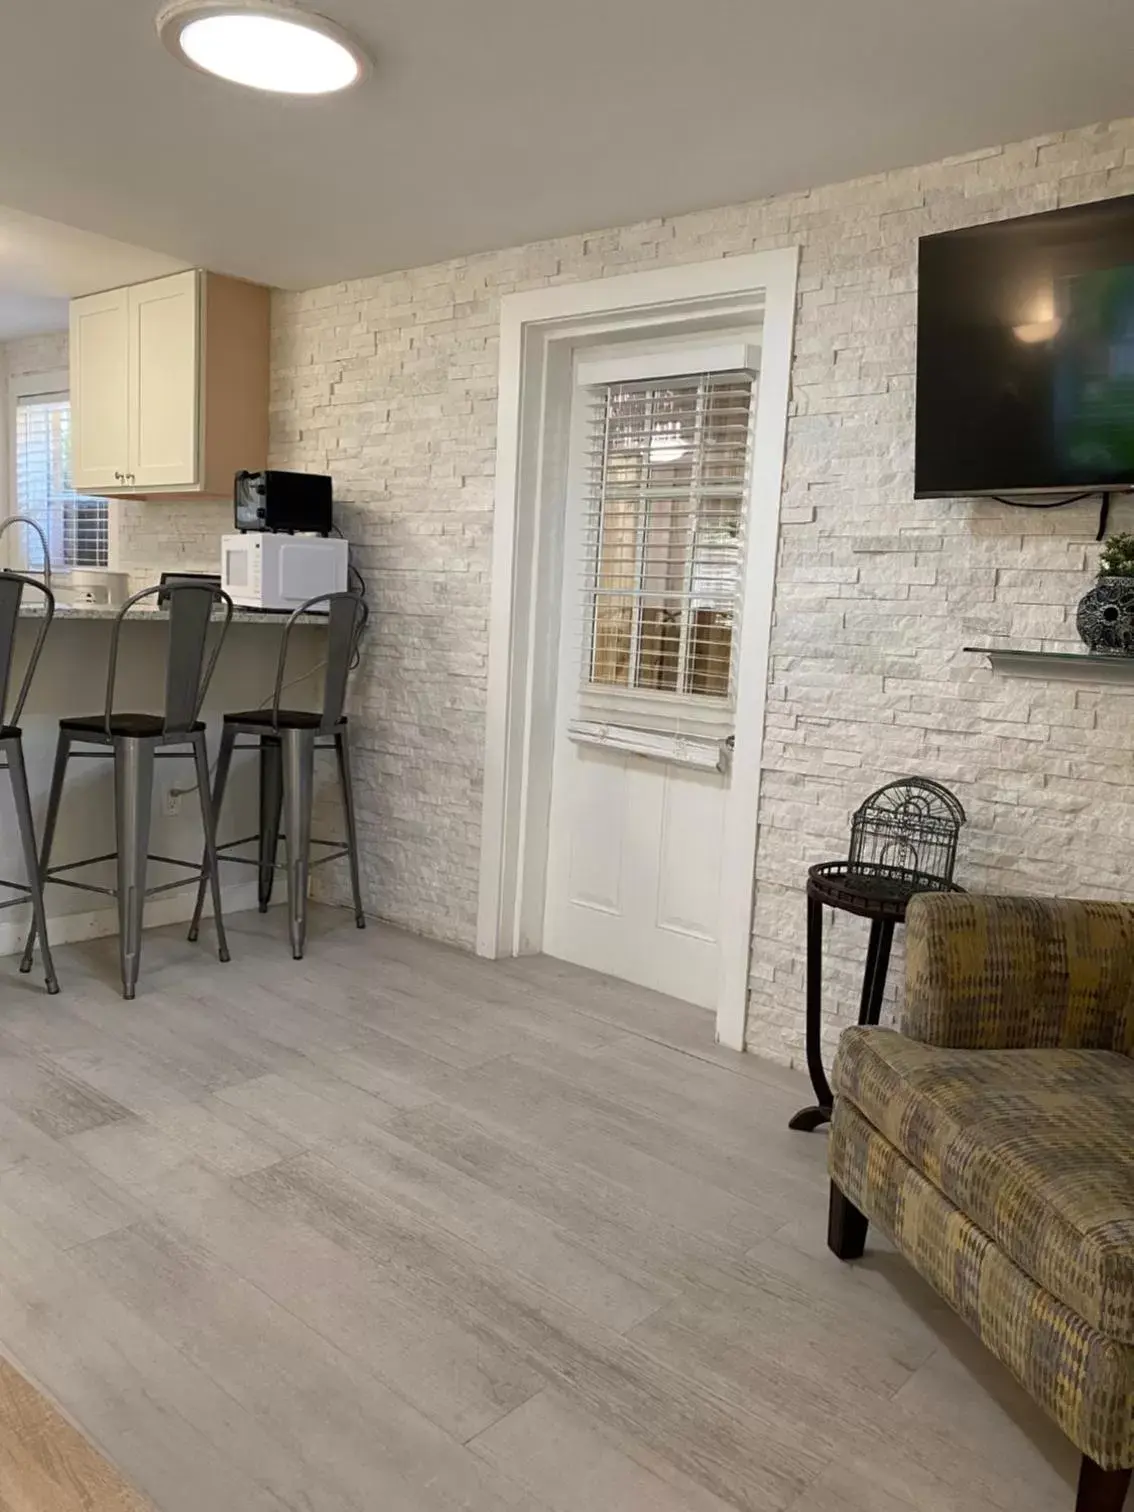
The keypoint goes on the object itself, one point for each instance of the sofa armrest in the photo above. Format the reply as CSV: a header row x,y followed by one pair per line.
x,y
1014,973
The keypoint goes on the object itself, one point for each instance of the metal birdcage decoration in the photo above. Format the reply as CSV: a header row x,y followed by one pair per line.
x,y
907,832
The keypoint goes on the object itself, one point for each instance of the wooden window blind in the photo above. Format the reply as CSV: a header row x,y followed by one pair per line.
x,y
77,527
666,486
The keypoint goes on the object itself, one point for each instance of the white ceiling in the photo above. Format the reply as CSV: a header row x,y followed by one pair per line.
x,y
43,263
492,122
29,314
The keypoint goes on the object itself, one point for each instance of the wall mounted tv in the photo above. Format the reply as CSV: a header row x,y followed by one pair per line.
x,y
1025,361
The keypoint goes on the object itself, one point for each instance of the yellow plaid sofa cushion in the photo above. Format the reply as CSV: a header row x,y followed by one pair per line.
x,y
1019,973
1035,1146
1084,1379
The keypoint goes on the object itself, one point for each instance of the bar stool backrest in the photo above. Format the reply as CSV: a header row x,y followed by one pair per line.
x,y
347,614
12,585
188,671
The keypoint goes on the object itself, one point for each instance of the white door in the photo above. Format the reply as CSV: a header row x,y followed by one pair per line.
x,y
164,382
634,870
99,359
652,577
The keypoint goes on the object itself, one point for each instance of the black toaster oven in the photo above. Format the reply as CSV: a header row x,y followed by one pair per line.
x,y
285,501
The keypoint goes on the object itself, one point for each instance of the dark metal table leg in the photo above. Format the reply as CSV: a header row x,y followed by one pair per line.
x,y
811,1118
875,980
868,974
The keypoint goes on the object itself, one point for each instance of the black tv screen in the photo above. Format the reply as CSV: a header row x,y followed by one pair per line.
x,y
1025,358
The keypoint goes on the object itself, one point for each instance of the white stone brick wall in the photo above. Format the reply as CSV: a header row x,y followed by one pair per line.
x,y
27,356
389,383
156,535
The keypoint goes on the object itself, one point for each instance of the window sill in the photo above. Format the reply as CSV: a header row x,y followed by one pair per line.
x,y
702,752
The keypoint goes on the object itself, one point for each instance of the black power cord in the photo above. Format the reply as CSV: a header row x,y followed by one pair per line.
x,y
1104,505
355,578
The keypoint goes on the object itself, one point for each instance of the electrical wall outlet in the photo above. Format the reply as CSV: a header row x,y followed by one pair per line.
x,y
172,802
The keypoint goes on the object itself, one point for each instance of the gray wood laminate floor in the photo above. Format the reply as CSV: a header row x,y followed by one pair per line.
x,y
397,1230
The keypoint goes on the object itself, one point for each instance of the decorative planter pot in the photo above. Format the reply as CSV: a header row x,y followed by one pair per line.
x,y
1105,619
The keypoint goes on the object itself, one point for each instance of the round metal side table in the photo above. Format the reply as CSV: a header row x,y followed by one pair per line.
x,y
879,895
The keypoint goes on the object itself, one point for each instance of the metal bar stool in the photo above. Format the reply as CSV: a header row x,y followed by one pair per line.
x,y
287,740
134,741
12,585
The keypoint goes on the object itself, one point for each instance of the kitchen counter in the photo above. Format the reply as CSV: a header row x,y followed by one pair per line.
x,y
71,680
278,617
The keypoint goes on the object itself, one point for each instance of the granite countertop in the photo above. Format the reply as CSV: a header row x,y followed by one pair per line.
x,y
277,617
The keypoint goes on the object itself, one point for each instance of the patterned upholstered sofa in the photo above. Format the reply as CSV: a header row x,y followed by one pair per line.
x,y
992,1139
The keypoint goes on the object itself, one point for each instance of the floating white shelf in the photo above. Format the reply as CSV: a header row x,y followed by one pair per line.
x,y
1058,666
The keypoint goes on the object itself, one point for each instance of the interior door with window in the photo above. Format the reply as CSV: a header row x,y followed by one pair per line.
x,y
651,605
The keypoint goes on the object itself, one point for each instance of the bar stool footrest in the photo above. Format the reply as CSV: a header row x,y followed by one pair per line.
x,y
340,849
22,888
51,875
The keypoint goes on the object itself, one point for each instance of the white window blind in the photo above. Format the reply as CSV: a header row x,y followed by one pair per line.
x,y
77,527
666,488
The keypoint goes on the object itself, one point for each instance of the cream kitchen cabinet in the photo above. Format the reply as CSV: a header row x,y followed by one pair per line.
x,y
169,386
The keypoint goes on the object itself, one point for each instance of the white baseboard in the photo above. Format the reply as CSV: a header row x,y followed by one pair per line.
x,y
174,908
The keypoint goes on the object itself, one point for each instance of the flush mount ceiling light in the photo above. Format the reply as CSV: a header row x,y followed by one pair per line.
x,y
261,44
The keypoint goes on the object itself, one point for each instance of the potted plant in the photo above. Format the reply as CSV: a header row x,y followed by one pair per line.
x,y
1105,619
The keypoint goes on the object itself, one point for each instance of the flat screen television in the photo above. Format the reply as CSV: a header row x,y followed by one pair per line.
x,y
1025,358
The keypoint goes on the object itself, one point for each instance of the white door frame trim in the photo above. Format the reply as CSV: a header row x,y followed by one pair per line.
x,y
523,618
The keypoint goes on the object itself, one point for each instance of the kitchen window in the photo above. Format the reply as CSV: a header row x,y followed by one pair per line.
x,y
77,526
665,495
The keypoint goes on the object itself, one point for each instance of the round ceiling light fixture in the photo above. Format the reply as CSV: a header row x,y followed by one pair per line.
x,y
263,45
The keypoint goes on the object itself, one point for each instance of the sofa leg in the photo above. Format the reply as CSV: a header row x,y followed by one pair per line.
x,y
846,1227
1101,1490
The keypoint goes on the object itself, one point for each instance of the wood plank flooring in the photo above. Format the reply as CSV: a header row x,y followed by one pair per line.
x,y
397,1230
45,1464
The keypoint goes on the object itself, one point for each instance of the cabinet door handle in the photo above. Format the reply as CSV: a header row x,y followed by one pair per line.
x,y
130,476
120,477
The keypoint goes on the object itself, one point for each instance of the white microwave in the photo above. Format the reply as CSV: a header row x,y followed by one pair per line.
x,y
266,571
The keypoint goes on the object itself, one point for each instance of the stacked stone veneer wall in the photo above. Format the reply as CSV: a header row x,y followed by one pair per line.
x,y
390,384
